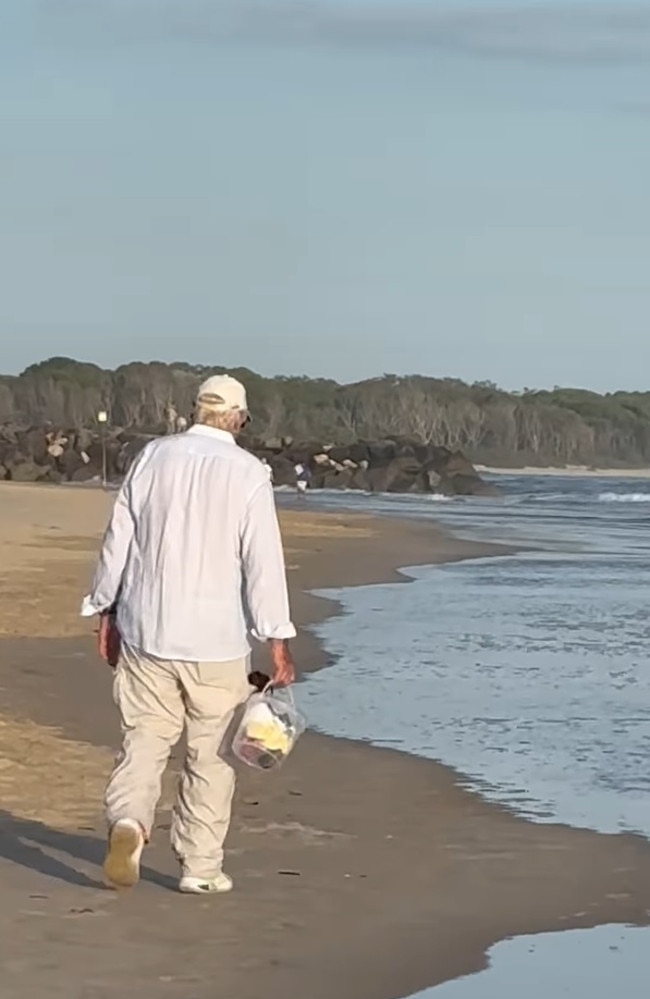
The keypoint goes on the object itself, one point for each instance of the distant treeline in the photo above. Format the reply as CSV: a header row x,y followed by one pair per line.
x,y
562,426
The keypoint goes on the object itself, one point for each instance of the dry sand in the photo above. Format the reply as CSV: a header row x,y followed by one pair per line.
x,y
361,873
571,471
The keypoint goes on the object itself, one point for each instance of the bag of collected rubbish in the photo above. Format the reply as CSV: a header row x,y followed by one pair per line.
x,y
269,728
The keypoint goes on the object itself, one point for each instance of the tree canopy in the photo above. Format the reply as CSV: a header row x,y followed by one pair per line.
x,y
560,426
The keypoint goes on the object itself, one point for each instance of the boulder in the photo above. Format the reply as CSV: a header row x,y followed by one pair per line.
x,y
84,473
401,475
9,433
334,479
304,451
396,464
8,453
458,464
406,448
119,454
273,444
470,485
33,444
28,471
284,473
359,480
68,462
81,439
435,456
381,453
350,452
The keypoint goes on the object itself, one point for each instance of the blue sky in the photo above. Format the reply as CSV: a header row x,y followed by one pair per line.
x,y
329,188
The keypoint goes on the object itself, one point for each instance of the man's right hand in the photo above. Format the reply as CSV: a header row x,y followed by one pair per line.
x,y
108,639
283,671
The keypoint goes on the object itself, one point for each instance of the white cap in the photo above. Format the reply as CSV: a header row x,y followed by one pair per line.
x,y
222,394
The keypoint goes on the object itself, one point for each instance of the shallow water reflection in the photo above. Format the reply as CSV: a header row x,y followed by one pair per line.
x,y
528,674
602,963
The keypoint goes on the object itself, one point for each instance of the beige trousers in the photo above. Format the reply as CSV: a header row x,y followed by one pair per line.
x,y
156,699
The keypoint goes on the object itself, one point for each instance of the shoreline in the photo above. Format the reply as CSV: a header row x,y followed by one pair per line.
x,y
572,471
363,872
424,543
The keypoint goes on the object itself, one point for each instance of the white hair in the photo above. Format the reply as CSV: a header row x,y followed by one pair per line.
x,y
232,420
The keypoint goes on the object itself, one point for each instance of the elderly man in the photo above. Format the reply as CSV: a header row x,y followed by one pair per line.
x,y
191,562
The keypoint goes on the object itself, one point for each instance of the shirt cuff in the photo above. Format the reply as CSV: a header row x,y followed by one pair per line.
x,y
88,608
282,633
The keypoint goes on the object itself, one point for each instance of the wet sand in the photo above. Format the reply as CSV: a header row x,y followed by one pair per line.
x,y
361,873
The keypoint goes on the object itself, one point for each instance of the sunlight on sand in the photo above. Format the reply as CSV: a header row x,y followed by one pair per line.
x,y
50,536
45,777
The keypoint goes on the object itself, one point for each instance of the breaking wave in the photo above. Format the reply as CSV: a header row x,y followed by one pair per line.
x,y
624,498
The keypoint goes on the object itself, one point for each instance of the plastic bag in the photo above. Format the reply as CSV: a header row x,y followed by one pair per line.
x,y
269,729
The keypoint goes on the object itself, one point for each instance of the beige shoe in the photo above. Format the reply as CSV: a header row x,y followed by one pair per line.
x,y
125,845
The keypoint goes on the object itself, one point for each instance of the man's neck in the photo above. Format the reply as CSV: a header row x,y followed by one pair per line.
x,y
205,430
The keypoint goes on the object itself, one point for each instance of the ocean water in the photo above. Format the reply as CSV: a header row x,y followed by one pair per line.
x,y
527,673
601,964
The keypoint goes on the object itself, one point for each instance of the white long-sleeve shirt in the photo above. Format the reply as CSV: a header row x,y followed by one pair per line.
x,y
193,554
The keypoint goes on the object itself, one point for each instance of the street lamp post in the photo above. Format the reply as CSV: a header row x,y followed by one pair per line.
x,y
102,419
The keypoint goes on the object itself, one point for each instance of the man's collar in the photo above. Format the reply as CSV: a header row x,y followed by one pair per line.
x,y
202,430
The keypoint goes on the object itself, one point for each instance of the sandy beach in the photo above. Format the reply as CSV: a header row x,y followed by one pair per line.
x,y
579,471
361,873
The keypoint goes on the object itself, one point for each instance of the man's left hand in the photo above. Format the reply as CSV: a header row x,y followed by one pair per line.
x,y
283,671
